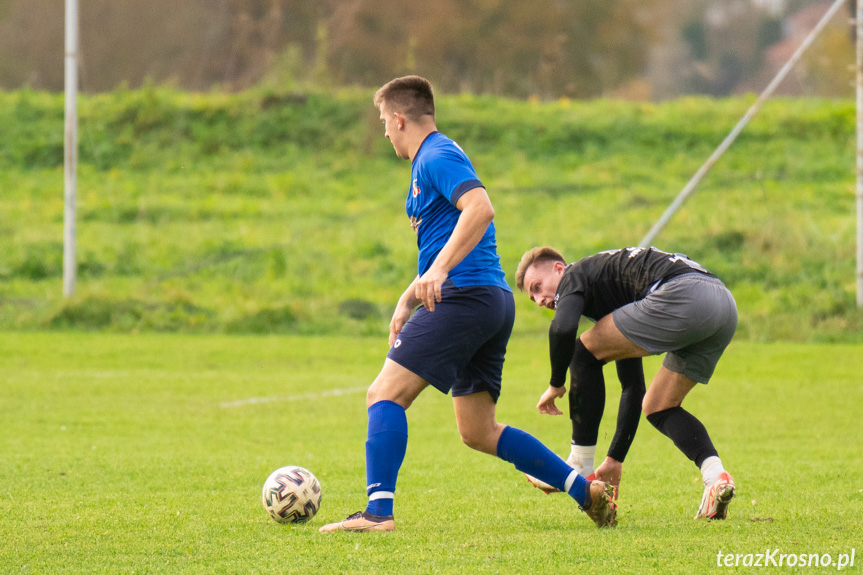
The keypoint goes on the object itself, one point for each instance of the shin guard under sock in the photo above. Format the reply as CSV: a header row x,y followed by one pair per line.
x,y
530,456
687,433
385,450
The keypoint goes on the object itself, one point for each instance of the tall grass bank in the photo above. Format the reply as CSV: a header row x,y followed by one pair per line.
x,y
269,212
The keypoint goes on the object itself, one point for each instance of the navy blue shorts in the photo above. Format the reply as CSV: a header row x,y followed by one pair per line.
x,y
461,345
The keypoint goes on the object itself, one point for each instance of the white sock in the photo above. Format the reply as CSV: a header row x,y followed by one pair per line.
x,y
711,469
581,458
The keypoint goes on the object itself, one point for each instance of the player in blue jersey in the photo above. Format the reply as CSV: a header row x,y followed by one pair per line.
x,y
644,301
451,326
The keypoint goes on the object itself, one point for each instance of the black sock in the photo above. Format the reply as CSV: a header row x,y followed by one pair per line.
x,y
687,433
586,395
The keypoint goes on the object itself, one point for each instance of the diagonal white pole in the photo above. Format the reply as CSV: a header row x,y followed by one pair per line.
x,y
859,23
690,187
70,148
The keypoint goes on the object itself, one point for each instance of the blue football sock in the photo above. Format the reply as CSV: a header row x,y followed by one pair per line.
x,y
530,456
385,450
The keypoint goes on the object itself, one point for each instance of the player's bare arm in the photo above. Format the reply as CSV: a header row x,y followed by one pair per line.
x,y
404,309
476,214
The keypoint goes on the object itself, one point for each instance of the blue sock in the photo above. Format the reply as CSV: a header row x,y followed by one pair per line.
x,y
530,456
385,450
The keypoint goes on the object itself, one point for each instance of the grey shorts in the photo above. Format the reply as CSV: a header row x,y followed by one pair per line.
x,y
691,317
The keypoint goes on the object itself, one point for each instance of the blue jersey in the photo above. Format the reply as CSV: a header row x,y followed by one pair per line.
x,y
440,174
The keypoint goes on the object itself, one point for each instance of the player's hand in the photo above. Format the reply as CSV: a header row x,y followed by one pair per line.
x,y
546,402
400,318
428,287
610,471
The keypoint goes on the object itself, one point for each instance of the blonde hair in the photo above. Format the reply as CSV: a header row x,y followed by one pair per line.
x,y
535,256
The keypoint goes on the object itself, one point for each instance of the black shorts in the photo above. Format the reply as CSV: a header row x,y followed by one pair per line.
x,y
461,345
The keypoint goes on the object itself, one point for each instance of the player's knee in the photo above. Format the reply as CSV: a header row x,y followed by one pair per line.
x,y
654,404
471,440
381,391
651,405
647,406
478,439
371,396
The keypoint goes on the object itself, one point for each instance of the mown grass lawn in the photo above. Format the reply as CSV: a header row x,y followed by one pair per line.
x,y
146,454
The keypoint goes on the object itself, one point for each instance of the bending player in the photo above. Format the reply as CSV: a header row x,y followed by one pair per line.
x,y
644,301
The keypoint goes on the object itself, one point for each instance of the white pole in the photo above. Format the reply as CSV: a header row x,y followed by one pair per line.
x,y
859,22
687,191
70,148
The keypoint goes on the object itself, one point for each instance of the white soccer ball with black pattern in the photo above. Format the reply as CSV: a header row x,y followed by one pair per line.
x,y
291,494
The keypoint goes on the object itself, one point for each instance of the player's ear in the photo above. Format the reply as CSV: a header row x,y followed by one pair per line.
x,y
559,267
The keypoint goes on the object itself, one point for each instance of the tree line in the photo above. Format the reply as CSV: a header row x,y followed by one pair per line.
x,y
542,48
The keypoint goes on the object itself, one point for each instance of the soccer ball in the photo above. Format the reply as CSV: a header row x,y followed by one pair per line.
x,y
291,495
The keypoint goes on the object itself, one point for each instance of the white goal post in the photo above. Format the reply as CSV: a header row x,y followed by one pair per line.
x,y
70,149
859,24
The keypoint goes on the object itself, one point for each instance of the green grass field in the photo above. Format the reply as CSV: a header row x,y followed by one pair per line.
x,y
146,454
137,424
